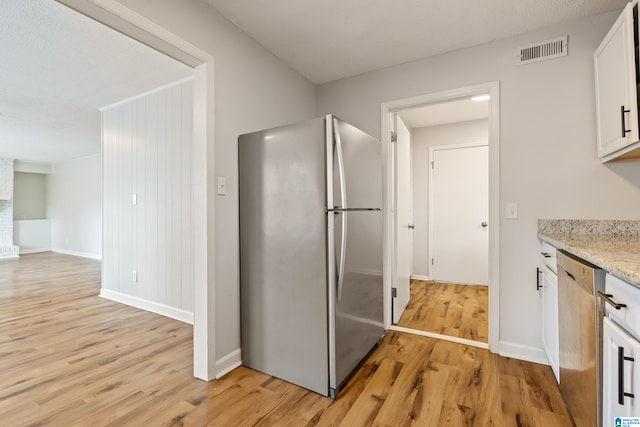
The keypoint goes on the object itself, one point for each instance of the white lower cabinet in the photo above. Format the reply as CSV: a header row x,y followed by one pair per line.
x,y
621,374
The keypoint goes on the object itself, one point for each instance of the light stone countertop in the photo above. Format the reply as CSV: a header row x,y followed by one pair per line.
x,y
614,247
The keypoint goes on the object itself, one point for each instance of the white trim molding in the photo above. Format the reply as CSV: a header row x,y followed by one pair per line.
x,y
76,253
154,307
35,251
457,340
228,363
522,352
418,277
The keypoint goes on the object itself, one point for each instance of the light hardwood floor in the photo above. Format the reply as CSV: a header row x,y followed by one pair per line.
x,y
68,357
448,309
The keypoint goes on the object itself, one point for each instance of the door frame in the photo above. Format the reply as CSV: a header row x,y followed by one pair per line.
x,y
493,88
432,149
124,20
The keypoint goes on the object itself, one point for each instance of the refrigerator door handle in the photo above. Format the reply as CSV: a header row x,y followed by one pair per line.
x,y
343,205
343,251
343,185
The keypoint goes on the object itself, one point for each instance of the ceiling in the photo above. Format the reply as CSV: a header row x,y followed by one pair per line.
x,y
332,39
458,110
58,68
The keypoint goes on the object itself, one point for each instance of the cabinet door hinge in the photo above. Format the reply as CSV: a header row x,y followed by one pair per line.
x,y
394,292
394,136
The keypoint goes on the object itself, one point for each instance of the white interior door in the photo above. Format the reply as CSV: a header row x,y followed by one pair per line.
x,y
459,206
403,217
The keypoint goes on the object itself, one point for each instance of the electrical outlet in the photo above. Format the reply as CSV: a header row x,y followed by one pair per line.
x,y
511,210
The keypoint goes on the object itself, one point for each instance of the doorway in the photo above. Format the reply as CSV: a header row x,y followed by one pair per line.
x,y
454,276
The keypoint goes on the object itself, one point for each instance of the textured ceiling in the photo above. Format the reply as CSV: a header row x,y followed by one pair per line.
x,y
331,39
58,68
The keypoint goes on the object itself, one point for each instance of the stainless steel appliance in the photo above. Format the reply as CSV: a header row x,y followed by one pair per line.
x,y
310,251
580,335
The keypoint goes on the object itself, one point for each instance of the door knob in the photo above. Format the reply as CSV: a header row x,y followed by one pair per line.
x,y
484,224
411,226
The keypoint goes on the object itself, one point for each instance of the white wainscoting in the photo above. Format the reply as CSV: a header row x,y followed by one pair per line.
x,y
147,218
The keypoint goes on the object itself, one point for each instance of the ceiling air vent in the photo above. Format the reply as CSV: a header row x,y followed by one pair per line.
x,y
542,51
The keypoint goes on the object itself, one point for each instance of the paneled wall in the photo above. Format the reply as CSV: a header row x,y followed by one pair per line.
x,y
147,227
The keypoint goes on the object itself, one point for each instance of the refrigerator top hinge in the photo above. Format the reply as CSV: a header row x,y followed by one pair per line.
x,y
394,292
394,136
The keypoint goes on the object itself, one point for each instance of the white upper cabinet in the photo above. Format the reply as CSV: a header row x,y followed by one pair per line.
x,y
616,88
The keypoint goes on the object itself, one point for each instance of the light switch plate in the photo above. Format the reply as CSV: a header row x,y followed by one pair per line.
x,y
511,210
222,186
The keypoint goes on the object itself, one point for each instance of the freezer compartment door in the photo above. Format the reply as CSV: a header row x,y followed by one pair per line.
x,y
356,299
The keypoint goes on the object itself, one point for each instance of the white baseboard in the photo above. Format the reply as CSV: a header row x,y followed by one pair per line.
x,y
80,254
34,251
228,363
418,277
154,307
523,352
456,340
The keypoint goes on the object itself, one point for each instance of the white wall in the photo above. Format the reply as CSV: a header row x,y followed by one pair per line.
x,y
253,90
32,235
74,206
146,151
421,140
548,161
29,195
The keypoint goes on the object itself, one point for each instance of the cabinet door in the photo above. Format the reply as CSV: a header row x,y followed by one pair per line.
x,y
550,339
616,94
619,372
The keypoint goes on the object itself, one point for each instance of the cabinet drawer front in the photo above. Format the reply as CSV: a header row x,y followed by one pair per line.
x,y
549,254
624,293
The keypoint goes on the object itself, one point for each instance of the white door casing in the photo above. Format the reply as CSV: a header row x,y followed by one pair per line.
x,y
386,111
459,213
403,218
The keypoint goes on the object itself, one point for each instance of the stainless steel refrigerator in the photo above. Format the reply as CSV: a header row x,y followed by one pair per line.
x,y
311,227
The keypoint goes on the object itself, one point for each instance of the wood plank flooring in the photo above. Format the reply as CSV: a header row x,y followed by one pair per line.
x,y
448,309
70,358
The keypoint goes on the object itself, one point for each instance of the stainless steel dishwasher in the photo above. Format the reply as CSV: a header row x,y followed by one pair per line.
x,y
580,333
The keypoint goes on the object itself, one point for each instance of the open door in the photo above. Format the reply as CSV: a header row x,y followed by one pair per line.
x,y
403,219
